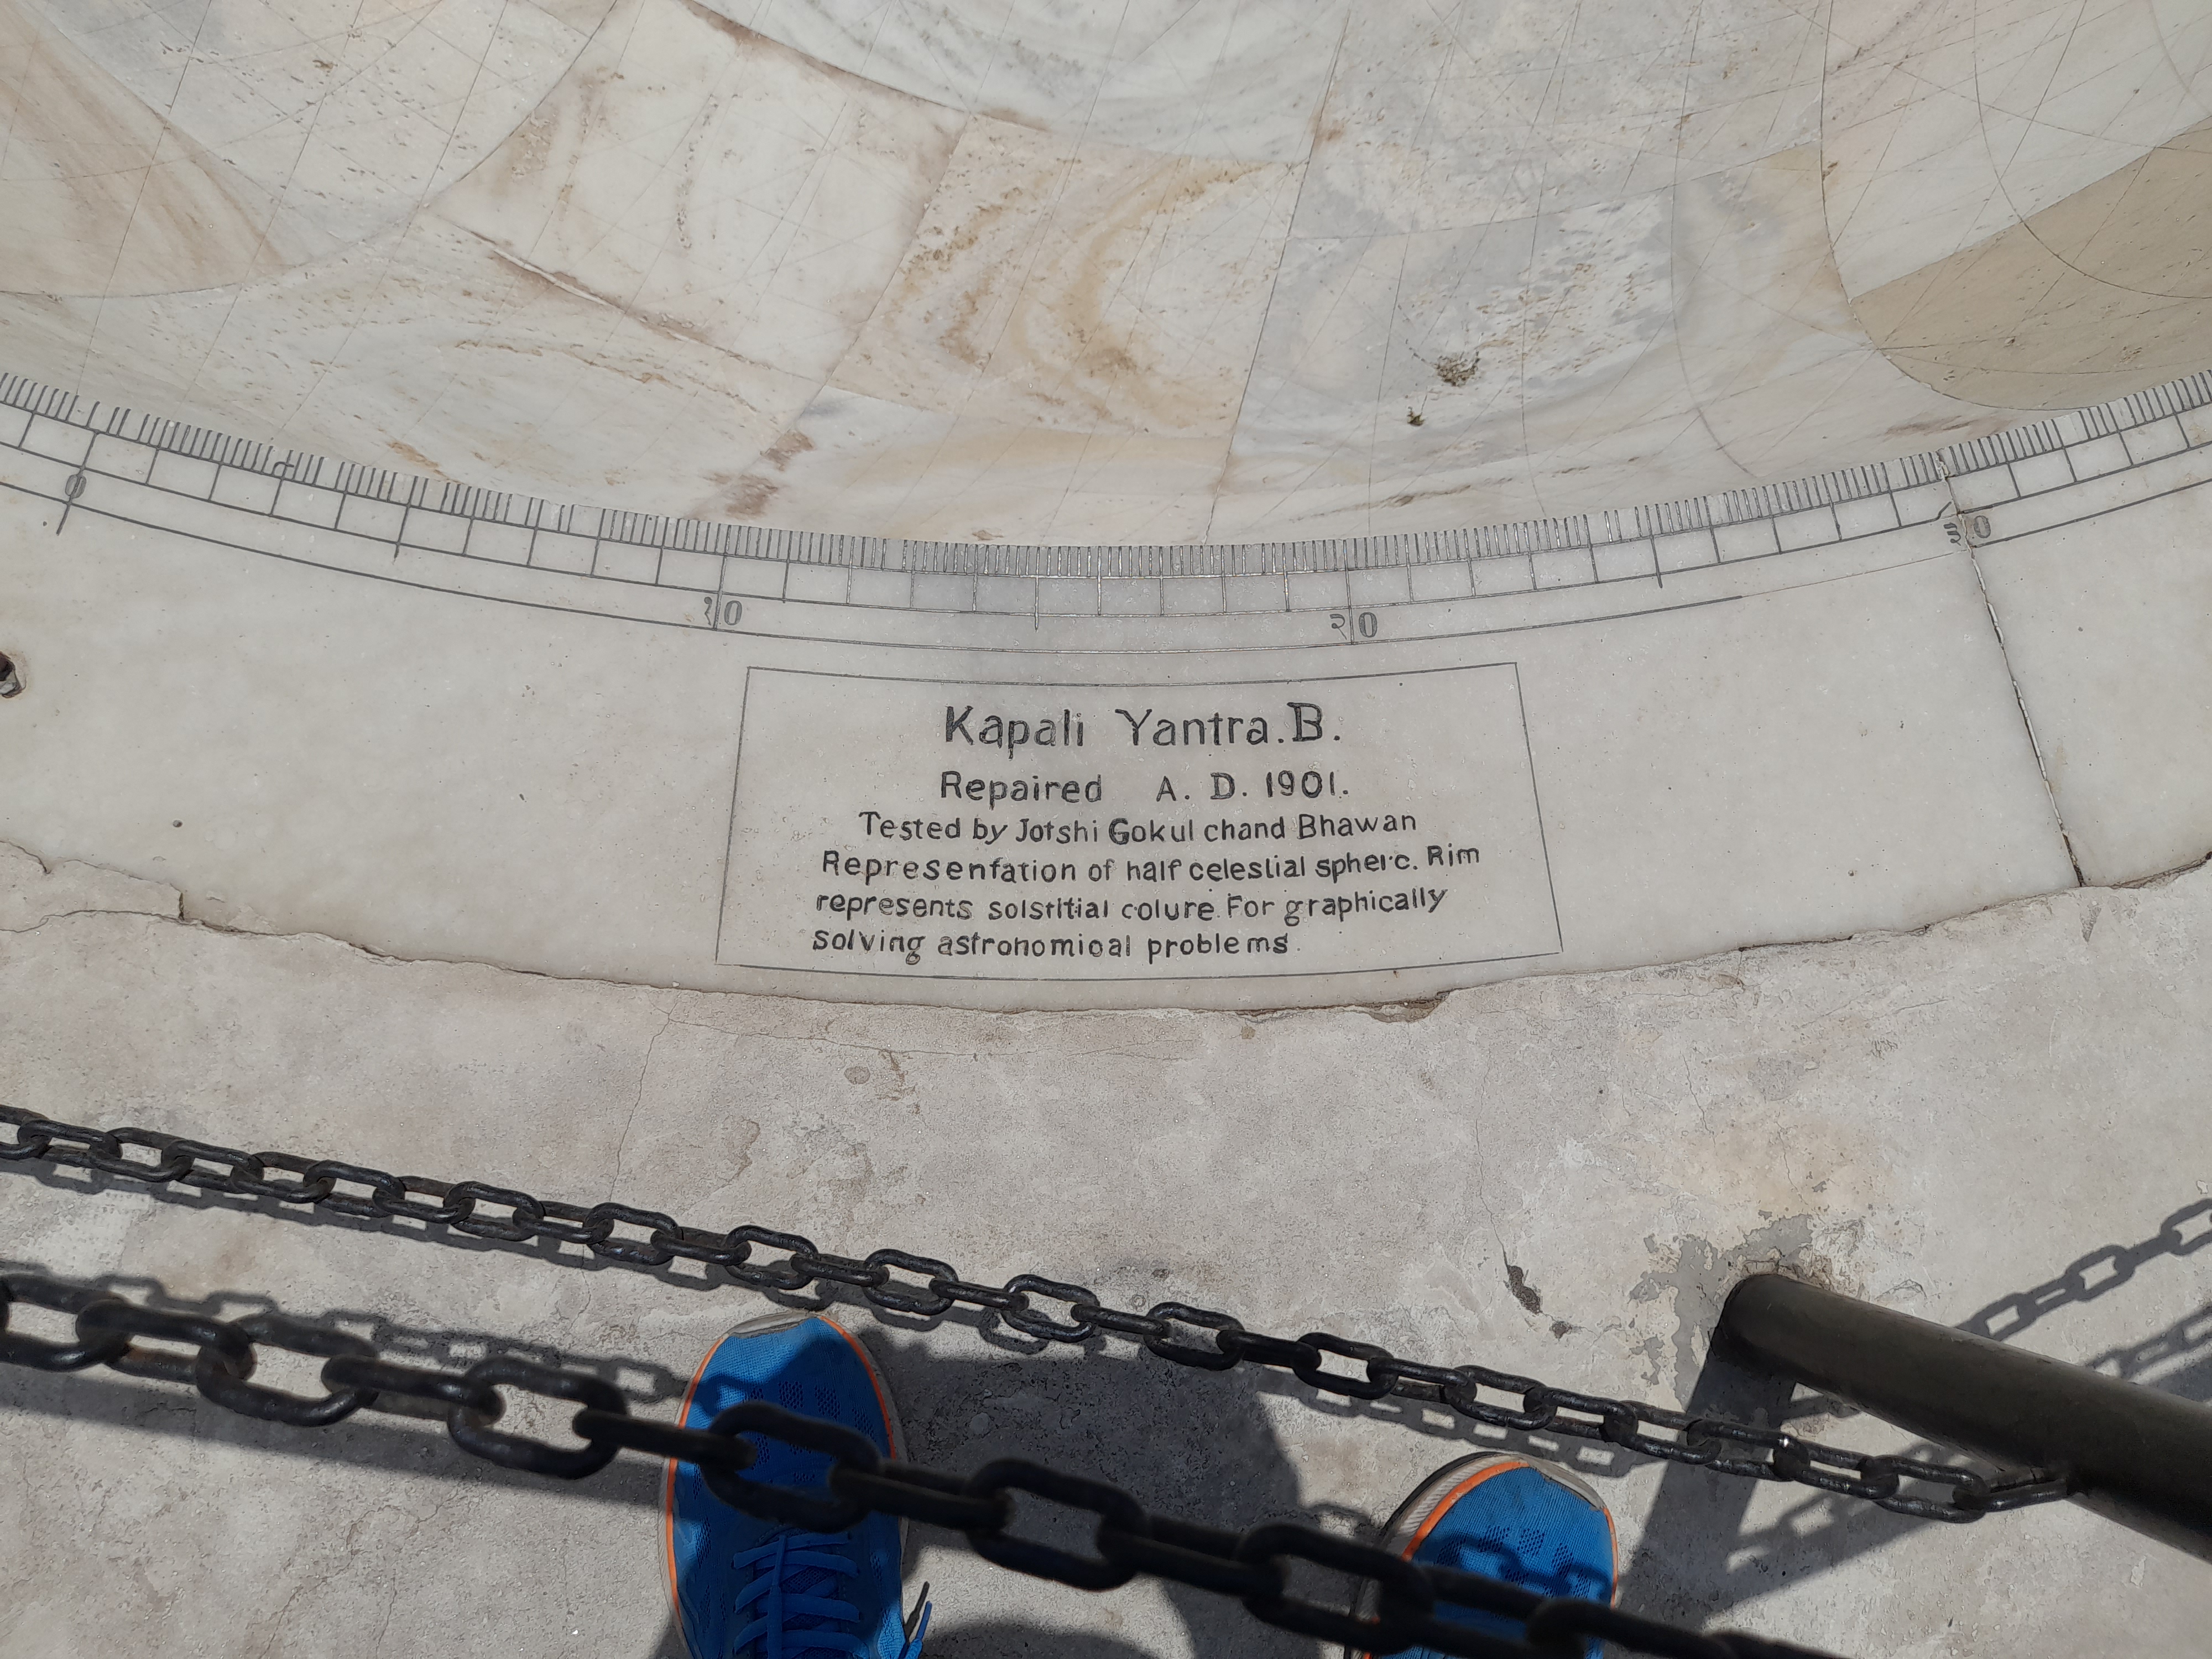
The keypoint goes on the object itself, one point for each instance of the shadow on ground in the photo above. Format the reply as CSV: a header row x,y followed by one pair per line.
x,y
1700,1558
1195,1445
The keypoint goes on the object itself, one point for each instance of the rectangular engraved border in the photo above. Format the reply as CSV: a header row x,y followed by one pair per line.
x,y
1535,793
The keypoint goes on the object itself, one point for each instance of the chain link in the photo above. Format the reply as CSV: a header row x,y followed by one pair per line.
x,y
1948,1492
1251,1567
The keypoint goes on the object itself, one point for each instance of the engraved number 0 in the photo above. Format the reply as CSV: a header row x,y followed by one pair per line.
x,y
1966,532
1355,625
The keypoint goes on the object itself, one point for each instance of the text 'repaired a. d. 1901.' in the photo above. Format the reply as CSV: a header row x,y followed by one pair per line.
x,y
1370,823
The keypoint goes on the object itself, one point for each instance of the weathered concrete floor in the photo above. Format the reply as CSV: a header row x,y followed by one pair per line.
x,y
1555,1176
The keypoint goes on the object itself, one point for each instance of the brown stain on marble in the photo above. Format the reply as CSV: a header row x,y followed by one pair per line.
x,y
747,494
738,32
2104,293
147,210
955,315
710,282
414,456
744,496
1109,350
786,449
1031,296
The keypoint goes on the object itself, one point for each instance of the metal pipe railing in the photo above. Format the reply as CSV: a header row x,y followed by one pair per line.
x,y
2140,1456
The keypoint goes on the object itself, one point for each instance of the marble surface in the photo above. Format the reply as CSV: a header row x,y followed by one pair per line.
x,y
719,188
1024,272
1226,80
1557,1178
539,745
441,723
446,424
332,123
2115,672
1947,125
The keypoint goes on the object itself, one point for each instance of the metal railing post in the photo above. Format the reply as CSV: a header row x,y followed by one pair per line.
x,y
2140,1456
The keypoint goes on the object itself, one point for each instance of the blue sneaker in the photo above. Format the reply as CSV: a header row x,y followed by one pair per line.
x,y
1531,1524
748,1589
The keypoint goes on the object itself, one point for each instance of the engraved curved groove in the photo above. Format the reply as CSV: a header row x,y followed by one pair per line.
x,y
689,556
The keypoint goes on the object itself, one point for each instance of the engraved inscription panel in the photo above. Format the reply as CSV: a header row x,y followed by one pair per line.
x,y
938,829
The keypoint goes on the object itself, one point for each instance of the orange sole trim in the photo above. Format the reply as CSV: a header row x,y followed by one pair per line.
x,y
1612,1533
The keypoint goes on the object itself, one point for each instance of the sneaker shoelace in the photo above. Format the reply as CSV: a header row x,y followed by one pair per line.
x,y
789,1597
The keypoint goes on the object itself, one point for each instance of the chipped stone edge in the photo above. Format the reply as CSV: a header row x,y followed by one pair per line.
x,y
162,903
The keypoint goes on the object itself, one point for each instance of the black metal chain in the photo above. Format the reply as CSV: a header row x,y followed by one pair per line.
x,y
1250,1566
654,1240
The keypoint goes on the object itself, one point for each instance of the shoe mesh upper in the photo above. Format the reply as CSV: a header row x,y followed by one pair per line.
x,y
1520,1525
748,1589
